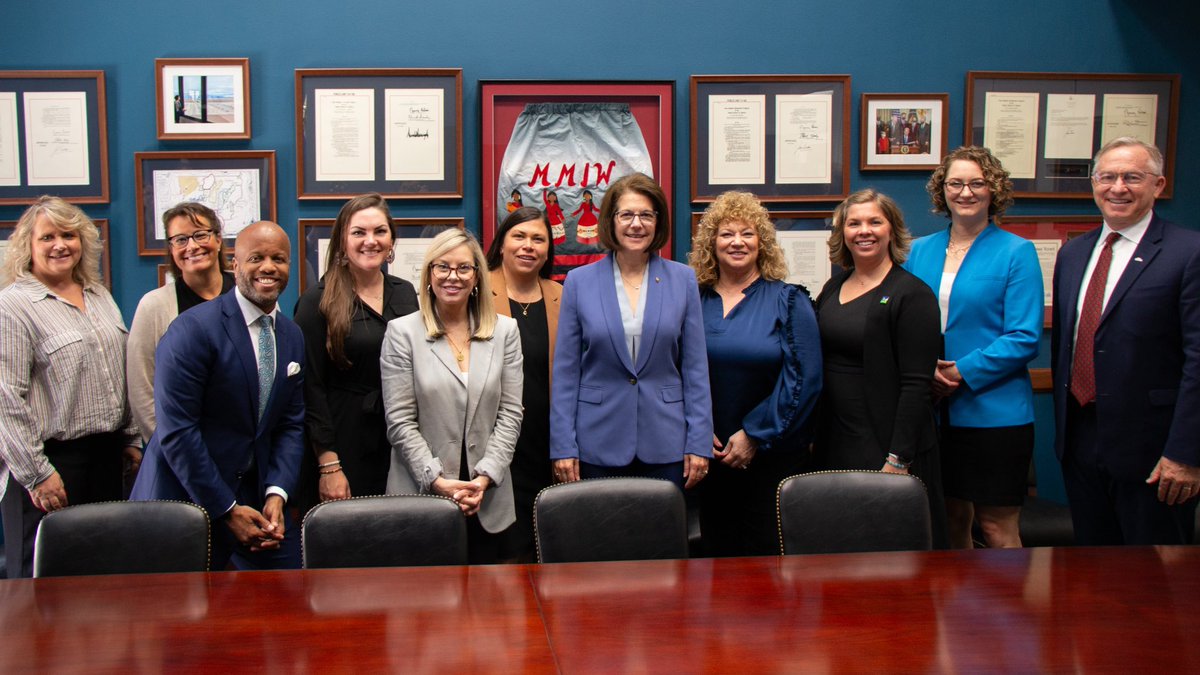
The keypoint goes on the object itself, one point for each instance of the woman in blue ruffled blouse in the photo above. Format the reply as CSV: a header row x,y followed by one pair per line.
x,y
764,365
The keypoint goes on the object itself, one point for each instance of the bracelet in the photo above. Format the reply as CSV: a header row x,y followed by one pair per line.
x,y
896,463
336,462
331,471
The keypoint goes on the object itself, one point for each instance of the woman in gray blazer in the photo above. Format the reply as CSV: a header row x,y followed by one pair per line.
x,y
452,393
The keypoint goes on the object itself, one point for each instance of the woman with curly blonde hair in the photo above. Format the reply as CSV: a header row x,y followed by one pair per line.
x,y
764,366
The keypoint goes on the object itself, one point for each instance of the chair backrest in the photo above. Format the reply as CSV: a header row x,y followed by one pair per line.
x,y
610,519
122,538
853,511
384,531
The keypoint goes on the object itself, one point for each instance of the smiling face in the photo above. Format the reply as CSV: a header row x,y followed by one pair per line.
x,y
867,233
636,236
55,252
454,289
967,205
261,264
526,247
194,259
368,240
1123,204
736,244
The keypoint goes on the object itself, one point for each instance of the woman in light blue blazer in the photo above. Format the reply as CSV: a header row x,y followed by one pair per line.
x,y
629,395
989,288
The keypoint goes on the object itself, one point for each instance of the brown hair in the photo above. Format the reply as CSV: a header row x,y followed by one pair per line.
x,y
338,302
741,207
993,172
194,211
898,243
645,186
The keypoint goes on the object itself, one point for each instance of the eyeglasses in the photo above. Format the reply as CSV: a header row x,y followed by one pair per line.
x,y
647,217
977,185
1130,178
199,236
443,271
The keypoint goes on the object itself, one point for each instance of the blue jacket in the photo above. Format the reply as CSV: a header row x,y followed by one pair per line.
x,y
997,309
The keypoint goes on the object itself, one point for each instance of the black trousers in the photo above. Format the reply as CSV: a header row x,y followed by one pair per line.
x,y
91,471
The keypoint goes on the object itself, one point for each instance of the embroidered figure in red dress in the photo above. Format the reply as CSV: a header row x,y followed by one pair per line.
x,y
554,214
587,230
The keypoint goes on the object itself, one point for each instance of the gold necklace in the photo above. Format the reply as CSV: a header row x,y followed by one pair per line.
x,y
459,354
526,305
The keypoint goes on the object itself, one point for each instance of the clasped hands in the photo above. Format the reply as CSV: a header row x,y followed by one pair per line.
x,y
259,531
468,494
946,379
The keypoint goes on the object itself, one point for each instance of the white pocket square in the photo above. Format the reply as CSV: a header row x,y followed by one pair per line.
x,y
293,368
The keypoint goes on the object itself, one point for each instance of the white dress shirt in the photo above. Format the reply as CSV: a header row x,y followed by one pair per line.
x,y
1122,254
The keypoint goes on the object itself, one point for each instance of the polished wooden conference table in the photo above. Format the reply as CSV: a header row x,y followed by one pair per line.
x,y
1032,610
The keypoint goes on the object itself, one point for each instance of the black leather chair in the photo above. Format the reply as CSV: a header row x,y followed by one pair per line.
x,y
610,519
384,531
122,538
853,511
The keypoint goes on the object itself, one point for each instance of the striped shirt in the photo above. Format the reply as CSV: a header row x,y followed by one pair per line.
x,y
62,375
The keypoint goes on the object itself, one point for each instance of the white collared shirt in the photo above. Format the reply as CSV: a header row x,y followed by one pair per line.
x,y
252,313
1122,254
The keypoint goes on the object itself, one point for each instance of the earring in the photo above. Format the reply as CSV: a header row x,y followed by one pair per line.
x,y
391,256
341,260
475,290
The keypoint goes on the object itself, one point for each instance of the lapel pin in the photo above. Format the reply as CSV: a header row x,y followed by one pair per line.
x,y
656,280
1138,259
885,299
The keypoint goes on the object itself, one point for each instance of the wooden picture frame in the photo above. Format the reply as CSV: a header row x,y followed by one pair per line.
x,y
239,185
53,136
1046,127
315,232
202,99
398,133
786,138
1049,233
885,119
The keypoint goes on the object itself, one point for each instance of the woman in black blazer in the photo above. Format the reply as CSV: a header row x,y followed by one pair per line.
x,y
881,338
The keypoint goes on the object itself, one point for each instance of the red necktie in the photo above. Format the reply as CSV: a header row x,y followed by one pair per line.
x,y
1083,368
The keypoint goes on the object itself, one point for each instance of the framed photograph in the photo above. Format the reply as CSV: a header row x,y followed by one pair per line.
x,y
53,136
804,238
1046,127
559,145
395,131
414,236
1048,234
786,138
903,132
202,99
239,185
8,226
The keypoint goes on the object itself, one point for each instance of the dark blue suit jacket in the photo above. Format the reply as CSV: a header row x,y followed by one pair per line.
x,y
206,402
607,410
1147,351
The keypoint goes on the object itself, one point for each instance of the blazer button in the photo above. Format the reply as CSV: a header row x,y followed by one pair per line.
x,y
633,380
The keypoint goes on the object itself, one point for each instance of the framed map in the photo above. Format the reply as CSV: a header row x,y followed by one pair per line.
x,y
238,185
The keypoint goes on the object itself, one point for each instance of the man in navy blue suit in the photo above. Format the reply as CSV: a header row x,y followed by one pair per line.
x,y
228,395
1126,347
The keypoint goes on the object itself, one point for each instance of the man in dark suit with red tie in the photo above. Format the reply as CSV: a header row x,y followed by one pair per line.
x,y
1126,349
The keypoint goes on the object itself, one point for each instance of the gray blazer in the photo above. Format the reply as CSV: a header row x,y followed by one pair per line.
x,y
427,410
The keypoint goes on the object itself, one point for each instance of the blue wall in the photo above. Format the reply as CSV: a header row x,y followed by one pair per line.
x,y
912,46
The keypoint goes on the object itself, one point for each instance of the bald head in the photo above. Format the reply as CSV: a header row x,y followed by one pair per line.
x,y
261,262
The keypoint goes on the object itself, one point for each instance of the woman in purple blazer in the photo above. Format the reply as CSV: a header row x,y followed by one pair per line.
x,y
630,395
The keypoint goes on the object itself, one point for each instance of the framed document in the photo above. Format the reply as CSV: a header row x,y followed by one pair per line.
x,y
202,99
1046,127
1048,234
804,238
53,136
413,236
395,131
7,227
239,185
903,132
786,138
559,145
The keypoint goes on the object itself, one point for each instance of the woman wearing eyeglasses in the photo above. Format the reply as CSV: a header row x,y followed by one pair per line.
x,y
452,376
989,288
630,392
197,262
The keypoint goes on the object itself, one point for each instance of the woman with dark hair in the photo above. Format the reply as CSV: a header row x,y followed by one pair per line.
x,y
520,259
198,265
65,425
880,344
989,286
764,363
344,318
630,391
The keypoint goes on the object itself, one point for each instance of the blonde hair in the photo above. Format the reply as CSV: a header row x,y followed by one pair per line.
x,y
18,262
480,309
899,241
741,207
